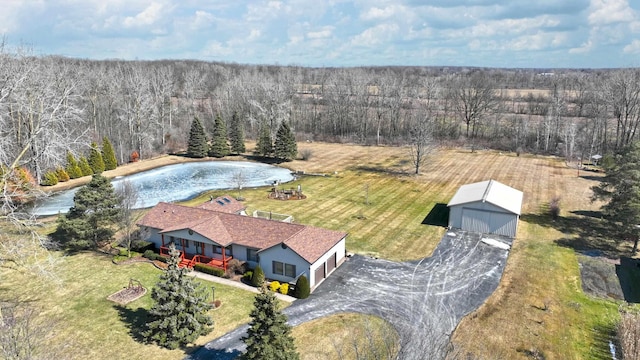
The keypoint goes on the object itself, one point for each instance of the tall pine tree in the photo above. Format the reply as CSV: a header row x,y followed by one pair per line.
x,y
108,155
264,147
90,222
73,169
95,159
269,335
236,135
285,147
621,189
197,146
219,146
179,314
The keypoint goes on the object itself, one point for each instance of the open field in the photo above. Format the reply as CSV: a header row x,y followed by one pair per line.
x,y
539,305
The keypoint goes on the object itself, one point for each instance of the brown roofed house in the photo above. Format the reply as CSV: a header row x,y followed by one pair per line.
x,y
216,232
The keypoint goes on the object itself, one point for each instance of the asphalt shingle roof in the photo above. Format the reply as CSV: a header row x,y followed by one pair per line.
x,y
229,228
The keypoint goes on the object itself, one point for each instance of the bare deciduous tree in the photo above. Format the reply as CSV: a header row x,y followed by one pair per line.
x,y
128,196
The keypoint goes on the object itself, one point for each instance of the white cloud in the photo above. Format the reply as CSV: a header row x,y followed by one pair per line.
x,y
202,19
326,32
376,35
150,15
605,12
632,48
376,13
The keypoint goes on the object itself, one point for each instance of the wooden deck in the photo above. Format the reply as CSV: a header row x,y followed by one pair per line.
x,y
189,260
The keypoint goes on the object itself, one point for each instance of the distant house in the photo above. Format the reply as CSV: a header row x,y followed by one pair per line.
x,y
486,207
215,232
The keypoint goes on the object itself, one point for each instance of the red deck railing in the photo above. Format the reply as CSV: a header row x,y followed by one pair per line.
x,y
189,260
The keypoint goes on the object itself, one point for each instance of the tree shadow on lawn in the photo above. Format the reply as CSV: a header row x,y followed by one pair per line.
x,y
593,234
438,216
135,320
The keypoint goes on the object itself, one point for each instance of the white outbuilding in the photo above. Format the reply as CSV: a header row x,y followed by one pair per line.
x,y
488,207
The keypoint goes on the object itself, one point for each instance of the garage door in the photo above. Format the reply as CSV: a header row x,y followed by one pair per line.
x,y
489,222
331,263
320,274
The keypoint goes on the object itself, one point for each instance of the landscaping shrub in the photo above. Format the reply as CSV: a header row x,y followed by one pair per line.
x,y
258,277
235,266
162,258
62,175
247,275
142,246
123,252
149,254
207,269
50,179
284,288
274,286
302,289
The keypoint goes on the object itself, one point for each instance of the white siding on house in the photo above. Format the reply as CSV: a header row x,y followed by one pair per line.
x,y
338,249
287,256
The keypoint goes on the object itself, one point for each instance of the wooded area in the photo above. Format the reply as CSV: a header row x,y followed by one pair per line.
x,y
49,105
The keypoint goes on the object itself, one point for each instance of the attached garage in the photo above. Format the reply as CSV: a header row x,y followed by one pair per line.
x,y
488,207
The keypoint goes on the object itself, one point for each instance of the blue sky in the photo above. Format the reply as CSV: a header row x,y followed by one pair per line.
x,y
529,33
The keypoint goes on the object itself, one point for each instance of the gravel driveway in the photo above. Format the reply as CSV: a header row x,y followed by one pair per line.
x,y
424,300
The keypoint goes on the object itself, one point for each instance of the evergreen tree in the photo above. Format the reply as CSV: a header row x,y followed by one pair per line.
x,y
179,313
621,188
257,279
95,159
197,147
85,168
236,135
302,289
90,222
269,335
285,147
219,146
264,147
108,155
73,169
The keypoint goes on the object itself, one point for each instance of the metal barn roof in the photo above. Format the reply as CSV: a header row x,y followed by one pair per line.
x,y
490,191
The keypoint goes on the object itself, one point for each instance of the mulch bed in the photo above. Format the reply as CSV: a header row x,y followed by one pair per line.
x,y
127,295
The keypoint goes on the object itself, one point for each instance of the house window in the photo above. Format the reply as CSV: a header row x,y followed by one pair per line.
x,y
218,250
287,270
252,255
278,268
186,244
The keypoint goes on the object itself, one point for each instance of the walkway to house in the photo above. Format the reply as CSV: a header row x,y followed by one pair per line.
x,y
424,300
237,284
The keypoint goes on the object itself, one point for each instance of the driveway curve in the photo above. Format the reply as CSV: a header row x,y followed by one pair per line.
x,y
424,300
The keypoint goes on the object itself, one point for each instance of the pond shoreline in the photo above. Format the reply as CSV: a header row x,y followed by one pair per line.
x,y
134,168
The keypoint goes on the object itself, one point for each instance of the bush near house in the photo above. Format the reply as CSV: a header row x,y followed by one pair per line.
x,y
274,286
208,269
302,289
284,288
258,277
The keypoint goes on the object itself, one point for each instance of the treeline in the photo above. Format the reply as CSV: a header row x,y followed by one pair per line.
x,y
51,105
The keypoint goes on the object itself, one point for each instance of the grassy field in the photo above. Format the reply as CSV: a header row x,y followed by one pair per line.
x,y
370,192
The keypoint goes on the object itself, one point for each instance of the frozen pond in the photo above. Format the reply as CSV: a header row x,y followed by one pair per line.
x,y
178,182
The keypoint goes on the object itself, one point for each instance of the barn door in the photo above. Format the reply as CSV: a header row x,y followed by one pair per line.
x,y
476,220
